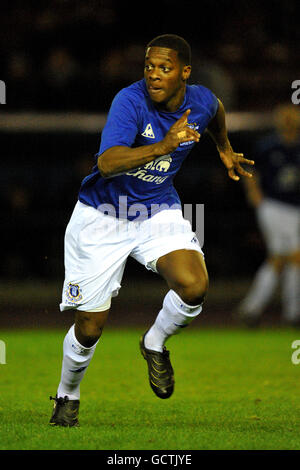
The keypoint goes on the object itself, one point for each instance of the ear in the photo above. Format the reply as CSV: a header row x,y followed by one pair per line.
x,y
186,72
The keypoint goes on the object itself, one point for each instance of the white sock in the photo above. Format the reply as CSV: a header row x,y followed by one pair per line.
x,y
76,358
174,315
291,292
261,290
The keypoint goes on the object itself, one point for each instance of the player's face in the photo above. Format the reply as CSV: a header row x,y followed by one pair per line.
x,y
165,77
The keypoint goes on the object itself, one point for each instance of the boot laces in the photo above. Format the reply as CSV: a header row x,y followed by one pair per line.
x,y
60,400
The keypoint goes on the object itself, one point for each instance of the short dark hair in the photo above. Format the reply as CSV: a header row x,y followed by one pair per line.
x,y
177,43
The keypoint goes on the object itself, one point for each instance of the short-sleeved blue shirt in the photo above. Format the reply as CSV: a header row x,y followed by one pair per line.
x,y
134,121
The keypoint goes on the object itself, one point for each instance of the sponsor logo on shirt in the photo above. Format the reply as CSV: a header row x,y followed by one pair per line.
x,y
142,174
161,164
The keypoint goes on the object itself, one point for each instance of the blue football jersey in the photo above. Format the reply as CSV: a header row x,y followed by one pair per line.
x,y
278,166
134,121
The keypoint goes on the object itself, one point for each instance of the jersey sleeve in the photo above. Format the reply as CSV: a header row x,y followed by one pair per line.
x,y
121,126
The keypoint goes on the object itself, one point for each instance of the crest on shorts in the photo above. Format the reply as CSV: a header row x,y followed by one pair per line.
x,y
74,292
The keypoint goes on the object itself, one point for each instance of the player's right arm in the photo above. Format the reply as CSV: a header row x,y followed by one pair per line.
x,y
121,158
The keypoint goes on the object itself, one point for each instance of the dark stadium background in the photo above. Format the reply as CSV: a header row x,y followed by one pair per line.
x,y
69,58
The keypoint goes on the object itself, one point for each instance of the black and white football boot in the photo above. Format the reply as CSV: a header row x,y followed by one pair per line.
x,y
160,371
65,412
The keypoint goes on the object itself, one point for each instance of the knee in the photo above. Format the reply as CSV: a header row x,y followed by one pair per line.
x,y
193,289
87,329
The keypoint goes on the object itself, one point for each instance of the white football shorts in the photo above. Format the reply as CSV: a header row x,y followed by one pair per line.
x,y
280,225
97,247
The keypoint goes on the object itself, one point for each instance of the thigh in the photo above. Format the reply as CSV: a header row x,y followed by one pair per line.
x,y
96,250
279,223
183,268
164,233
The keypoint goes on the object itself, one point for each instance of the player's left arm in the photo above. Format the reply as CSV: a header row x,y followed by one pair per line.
x,y
232,160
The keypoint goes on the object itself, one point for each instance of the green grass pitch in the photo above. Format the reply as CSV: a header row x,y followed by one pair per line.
x,y
235,389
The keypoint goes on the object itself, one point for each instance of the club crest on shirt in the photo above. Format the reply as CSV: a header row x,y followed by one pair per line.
x,y
74,292
194,126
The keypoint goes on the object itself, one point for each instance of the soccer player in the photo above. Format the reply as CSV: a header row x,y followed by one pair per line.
x,y
128,206
274,192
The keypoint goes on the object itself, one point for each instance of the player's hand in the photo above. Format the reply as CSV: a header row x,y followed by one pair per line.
x,y
178,133
233,161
